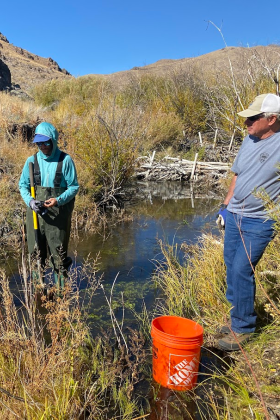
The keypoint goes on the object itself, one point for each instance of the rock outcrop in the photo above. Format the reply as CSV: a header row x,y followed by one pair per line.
x,y
21,70
5,76
3,38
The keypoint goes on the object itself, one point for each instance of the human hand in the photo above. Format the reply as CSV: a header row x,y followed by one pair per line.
x,y
51,202
221,216
35,205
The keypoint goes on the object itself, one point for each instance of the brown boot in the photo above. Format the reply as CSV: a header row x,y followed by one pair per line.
x,y
234,342
224,330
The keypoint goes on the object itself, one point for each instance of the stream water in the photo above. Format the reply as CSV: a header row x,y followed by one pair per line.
x,y
130,253
128,258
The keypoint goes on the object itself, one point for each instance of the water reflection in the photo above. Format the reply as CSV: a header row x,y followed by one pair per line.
x,y
131,250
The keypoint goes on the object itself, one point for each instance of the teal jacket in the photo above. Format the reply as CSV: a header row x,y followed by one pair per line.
x,y
48,165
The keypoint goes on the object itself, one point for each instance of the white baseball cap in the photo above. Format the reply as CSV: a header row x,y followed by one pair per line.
x,y
267,102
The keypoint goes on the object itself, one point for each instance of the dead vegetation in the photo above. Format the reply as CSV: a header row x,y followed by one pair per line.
x,y
247,386
51,366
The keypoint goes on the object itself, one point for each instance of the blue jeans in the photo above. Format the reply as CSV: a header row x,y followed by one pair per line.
x,y
245,241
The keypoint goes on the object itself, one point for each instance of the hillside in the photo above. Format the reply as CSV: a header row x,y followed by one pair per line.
x,y
213,63
20,69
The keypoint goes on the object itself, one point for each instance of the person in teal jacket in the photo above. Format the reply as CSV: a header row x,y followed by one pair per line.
x,y
56,186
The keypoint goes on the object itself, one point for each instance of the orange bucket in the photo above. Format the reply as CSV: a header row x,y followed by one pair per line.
x,y
176,352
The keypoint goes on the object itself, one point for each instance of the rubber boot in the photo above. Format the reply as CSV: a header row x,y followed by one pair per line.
x,y
59,280
38,286
38,279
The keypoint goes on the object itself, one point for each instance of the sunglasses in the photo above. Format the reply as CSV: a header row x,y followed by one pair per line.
x,y
44,143
255,117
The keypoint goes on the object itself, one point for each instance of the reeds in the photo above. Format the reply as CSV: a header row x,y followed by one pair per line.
x,y
195,288
52,367
249,386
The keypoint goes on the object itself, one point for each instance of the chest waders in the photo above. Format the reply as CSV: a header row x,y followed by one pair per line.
x,y
53,227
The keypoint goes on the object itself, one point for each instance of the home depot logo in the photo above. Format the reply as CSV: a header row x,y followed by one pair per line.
x,y
185,370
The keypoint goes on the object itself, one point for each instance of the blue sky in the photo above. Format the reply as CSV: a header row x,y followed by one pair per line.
x,y
90,37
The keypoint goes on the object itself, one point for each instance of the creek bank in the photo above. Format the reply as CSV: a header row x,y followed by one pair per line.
x,y
203,175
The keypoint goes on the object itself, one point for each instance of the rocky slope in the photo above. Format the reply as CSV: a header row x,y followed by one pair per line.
x,y
20,70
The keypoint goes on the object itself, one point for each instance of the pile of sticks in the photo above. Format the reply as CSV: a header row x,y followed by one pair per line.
x,y
175,169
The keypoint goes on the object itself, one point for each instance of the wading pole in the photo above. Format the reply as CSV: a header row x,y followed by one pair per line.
x,y
35,221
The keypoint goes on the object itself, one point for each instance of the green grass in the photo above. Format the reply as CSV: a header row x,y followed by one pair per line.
x,y
50,365
104,129
249,386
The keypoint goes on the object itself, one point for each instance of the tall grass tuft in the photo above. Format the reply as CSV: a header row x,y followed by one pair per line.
x,y
196,287
248,386
50,364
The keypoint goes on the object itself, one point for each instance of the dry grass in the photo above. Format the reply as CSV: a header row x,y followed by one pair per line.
x,y
196,288
249,388
51,367
15,110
